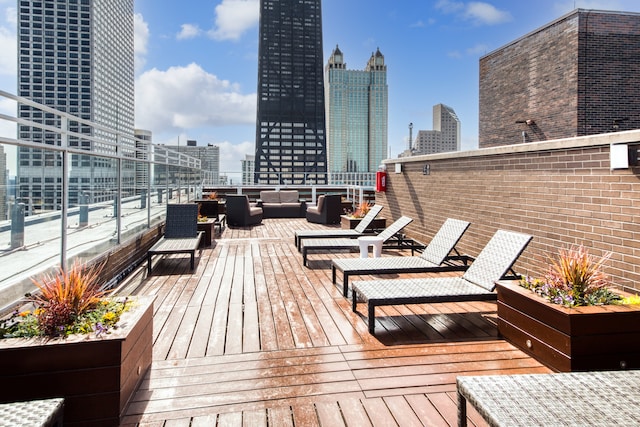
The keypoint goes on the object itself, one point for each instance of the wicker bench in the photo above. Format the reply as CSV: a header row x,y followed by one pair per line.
x,y
181,234
175,246
562,399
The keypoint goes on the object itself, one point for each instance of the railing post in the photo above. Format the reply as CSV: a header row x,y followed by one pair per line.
x,y
83,220
17,226
143,198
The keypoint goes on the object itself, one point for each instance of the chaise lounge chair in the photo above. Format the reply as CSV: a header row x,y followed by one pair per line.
x,y
432,258
326,245
331,233
477,283
181,233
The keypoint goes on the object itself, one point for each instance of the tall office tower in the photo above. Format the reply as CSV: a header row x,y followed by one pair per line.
x,y
290,126
357,115
75,56
248,169
445,135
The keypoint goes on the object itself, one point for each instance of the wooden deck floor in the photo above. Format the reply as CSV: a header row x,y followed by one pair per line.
x,y
253,338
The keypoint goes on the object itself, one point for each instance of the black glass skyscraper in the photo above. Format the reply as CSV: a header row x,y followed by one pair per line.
x,y
290,127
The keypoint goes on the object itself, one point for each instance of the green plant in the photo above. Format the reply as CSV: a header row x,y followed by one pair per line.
x,y
574,279
67,302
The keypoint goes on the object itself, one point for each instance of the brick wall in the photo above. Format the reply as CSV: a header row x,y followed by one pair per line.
x,y
561,192
573,77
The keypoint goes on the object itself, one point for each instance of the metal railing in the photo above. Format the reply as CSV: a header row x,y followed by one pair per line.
x,y
64,210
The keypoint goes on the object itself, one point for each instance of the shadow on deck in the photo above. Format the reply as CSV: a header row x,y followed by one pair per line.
x,y
253,338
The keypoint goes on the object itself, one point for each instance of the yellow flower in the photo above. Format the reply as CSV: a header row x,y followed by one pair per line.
x,y
25,313
109,316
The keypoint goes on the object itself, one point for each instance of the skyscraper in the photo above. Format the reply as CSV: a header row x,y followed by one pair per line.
x,y
75,56
290,126
357,114
445,135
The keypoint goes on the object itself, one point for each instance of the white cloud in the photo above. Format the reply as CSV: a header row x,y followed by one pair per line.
x,y
141,38
9,43
484,13
188,31
480,13
189,97
231,155
234,17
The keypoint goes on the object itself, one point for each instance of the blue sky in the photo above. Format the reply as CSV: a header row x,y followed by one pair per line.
x,y
196,60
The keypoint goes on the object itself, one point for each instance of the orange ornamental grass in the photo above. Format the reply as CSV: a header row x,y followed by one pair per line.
x,y
574,278
65,295
362,210
576,270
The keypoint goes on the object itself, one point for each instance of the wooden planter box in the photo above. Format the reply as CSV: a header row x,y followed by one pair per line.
x,y
569,339
96,376
351,223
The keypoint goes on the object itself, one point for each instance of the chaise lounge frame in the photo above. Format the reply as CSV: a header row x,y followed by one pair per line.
x,y
326,245
477,283
358,231
434,258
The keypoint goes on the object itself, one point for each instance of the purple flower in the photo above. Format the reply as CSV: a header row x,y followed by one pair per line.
x,y
100,329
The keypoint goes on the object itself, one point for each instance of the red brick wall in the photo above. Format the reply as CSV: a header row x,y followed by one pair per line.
x,y
560,193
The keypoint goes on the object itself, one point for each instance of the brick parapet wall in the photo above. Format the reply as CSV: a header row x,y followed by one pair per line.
x,y
562,192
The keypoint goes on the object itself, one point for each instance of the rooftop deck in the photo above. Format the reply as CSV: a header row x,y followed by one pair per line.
x,y
254,338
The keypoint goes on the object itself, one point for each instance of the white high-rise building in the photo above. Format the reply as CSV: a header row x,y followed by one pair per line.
x,y
248,169
445,135
209,156
75,56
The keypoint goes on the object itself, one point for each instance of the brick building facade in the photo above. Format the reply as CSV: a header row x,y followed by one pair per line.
x,y
576,76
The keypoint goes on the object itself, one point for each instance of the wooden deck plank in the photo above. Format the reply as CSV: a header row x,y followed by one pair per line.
x,y
254,338
354,413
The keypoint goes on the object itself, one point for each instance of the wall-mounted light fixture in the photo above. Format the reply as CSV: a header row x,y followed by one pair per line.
x,y
426,169
527,122
619,156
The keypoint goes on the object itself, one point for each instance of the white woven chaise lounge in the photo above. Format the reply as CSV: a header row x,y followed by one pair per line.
x,y
477,283
358,231
327,245
432,259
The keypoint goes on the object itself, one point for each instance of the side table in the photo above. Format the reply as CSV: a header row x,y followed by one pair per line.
x,y
366,241
207,226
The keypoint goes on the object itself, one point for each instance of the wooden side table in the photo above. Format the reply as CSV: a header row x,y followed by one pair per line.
x,y
206,226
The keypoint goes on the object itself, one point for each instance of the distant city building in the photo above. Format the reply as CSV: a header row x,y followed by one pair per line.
x,y
209,156
357,115
143,148
4,181
445,135
290,125
76,57
575,76
248,169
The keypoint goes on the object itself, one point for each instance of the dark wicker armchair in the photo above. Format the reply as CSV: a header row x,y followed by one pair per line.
x,y
240,212
327,211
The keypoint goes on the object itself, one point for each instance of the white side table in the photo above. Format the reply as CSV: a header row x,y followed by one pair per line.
x,y
366,241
